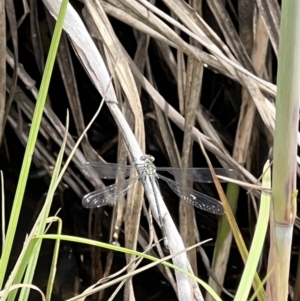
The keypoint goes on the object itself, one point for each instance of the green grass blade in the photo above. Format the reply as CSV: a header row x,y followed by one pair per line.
x,y
45,212
127,251
37,116
54,262
258,238
19,270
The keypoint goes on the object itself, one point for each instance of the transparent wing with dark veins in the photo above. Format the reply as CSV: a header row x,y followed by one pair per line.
x,y
202,175
108,195
195,198
107,171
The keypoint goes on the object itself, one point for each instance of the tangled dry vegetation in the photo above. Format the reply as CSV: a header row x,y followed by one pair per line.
x,y
181,72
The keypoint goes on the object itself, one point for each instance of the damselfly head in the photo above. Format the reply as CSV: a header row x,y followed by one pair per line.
x,y
147,157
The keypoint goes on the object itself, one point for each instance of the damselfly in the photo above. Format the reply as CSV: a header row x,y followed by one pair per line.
x,y
110,194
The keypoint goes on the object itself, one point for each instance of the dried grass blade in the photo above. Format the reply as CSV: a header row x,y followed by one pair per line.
x,y
269,11
192,93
